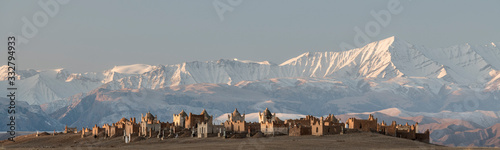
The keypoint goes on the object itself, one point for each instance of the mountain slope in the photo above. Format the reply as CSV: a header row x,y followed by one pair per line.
x,y
39,87
28,118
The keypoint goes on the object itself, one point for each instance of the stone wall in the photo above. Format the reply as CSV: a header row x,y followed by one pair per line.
x,y
299,131
363,125
423,137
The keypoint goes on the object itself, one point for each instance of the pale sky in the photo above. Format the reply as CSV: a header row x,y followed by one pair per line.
x,y
94,35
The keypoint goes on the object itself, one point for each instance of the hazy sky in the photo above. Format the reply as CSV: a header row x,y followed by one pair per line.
x,y
94,35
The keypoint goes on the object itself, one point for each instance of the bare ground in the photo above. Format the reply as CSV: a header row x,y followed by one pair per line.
x,y
347,141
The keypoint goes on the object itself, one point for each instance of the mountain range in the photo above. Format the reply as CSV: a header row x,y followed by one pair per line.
x,y
452,91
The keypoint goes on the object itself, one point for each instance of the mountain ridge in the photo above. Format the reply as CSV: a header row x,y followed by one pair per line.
x,y
385,59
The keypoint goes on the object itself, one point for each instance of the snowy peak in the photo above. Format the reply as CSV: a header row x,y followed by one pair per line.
x,y
385,44
132,69
394,57
373,60
62,73
3,73
236,60
20,74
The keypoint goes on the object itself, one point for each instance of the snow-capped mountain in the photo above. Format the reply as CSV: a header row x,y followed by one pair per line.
x,y
393,57
461,65
39,87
